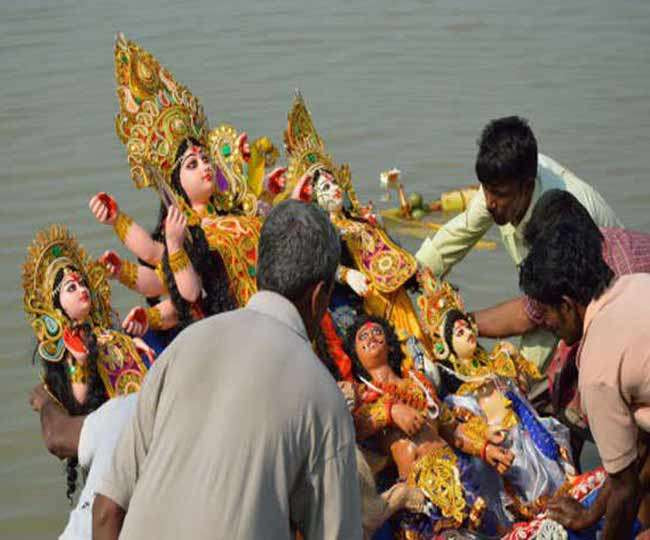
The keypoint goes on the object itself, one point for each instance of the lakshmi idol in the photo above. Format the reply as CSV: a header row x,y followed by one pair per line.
x,y
203,251
67,302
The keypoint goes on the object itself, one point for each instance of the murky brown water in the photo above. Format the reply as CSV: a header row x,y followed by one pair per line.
x,y
409,85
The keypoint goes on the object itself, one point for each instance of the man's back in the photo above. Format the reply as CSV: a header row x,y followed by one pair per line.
x,y
239,429
614,363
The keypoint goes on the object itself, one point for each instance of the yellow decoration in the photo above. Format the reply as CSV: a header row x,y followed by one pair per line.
x,y
156,112
55,249
122,225
154,318
179,261
128,274
236,238
78,373
436,474
437,299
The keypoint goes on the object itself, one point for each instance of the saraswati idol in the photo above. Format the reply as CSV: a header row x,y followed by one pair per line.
x,y
67,302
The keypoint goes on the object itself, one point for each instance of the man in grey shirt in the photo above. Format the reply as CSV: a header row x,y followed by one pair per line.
x,y
240,431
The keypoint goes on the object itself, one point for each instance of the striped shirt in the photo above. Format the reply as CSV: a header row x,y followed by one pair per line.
x,y
625,252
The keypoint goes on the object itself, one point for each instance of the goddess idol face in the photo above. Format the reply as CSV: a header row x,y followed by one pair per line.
x,y
328,194
371,346
463,339
197,175
74,296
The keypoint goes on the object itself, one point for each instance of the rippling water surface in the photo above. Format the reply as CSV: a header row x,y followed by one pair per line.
x,y
408,84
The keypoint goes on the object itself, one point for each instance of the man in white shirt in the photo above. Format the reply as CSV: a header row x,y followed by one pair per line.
x,y
513,176
91,439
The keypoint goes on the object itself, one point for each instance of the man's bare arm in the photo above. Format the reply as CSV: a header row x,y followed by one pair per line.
x,y
108,517
503,320
622,503
60,430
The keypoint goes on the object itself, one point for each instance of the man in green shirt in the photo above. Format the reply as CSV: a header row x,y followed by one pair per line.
x,y
513,176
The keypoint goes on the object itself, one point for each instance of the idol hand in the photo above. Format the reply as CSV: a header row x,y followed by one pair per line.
x,y
112,262
407,419
104,208
358,282
175,226
136,322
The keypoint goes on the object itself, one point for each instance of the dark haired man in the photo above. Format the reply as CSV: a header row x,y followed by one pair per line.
x,y
240,431
513,176
624,251
565,272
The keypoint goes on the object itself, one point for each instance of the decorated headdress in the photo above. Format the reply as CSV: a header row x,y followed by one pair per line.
x,y
307,153
52,250
224,144
156,112
438,298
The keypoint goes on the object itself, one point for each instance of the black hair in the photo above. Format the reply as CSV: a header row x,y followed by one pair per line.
x,y
453,315
298,248
507,153
207,263
565,260
58,383
556,206
394,349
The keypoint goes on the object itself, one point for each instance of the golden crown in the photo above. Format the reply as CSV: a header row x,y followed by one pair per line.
x,y
437,299
306,151
52,250
225,150
156,112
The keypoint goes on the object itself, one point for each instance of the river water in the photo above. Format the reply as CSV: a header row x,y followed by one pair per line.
x,y
406,84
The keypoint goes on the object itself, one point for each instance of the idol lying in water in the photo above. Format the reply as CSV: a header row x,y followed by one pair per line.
x,y
403,419
67,301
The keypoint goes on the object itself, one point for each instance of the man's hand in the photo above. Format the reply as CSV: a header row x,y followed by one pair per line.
x,y
569,513
407,419
38,397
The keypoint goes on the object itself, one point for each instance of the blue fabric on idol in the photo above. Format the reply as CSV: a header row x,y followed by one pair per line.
x,y
543,440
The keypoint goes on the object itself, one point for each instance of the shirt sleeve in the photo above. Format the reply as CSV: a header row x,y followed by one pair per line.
x,y
534,310
454,240
612,425
328,504
131,451
87,440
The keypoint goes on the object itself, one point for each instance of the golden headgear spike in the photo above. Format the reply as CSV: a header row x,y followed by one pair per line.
x,y
307,153
300,130
225,151
438,298
156,112
52,250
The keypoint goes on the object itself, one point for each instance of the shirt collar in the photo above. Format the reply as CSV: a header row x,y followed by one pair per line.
x,y
509,228
595,306
277,306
